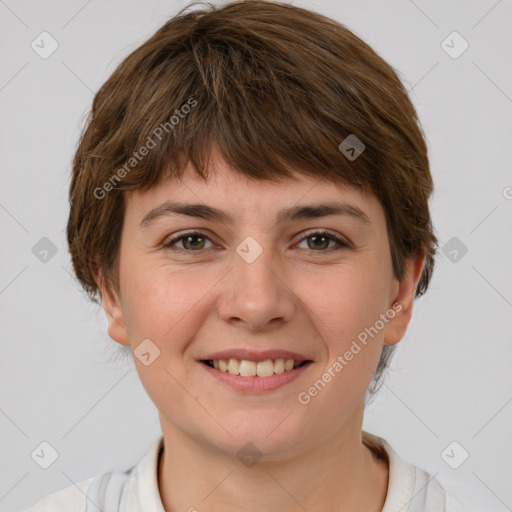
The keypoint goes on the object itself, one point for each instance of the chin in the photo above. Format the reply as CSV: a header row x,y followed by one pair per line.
x,y
265,433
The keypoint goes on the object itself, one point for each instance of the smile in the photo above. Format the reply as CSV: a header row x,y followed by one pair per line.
x,y
247,368
255,376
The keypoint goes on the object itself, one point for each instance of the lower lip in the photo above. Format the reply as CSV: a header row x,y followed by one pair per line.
x,y
257,384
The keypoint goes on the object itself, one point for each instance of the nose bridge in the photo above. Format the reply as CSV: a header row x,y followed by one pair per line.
x,y
253,263
256,293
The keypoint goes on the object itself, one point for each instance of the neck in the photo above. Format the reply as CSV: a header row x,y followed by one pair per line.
x,y
340,473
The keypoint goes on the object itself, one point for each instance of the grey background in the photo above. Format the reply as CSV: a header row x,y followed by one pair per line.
x,y
451,381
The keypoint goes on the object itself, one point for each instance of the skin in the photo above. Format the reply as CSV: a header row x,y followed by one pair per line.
x,y
294,296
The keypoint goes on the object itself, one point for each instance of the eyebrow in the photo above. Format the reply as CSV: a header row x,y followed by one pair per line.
x,y
206,212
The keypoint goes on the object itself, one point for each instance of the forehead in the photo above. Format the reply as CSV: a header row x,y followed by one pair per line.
x,y
242,196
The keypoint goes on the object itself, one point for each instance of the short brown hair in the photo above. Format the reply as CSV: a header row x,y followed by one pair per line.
x,y
276,88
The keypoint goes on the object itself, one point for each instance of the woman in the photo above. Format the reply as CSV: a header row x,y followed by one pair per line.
x,y
249,203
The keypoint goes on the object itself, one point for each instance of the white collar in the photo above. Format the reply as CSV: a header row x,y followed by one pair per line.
x,y
143,491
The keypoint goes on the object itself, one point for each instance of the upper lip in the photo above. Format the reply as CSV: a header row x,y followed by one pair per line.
x,y
251,355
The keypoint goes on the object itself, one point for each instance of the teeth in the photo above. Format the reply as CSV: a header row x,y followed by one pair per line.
x,y
279,366
234,367
266,368
247,368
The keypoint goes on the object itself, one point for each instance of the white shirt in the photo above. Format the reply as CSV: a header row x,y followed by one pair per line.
x,y
410,489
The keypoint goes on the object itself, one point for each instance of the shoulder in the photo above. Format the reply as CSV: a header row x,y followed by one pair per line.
x,y
68,499
105,491
430,492
110,491
410,487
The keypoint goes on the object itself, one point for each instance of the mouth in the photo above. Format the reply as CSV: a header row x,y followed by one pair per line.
x,y
249,372
255,372
249,368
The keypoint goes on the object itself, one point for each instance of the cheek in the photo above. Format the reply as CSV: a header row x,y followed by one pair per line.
x,y
164,305
161,302
347,307
346,301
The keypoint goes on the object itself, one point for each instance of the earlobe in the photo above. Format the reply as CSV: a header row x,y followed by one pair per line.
x,y
112,306
403,300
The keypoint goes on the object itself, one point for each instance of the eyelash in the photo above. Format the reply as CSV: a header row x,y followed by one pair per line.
x,y
170,243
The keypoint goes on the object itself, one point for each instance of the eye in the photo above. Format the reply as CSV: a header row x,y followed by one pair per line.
x,y
194,241
189,242
321,239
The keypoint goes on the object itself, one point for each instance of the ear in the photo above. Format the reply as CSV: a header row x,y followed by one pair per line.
x,y
112,306
402,301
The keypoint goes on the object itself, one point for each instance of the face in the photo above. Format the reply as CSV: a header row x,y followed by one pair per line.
x,y
264,279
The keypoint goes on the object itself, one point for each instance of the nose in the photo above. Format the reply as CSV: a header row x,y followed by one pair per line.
x,y
257,292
